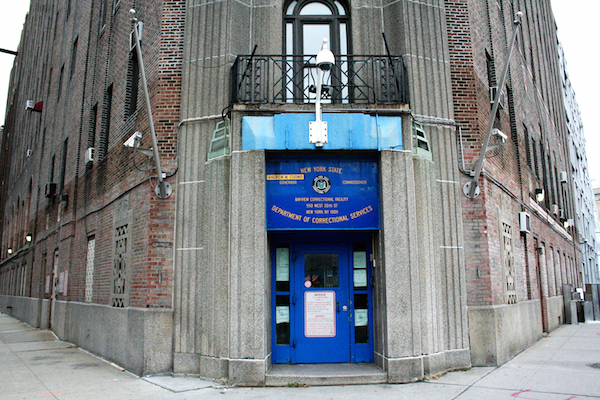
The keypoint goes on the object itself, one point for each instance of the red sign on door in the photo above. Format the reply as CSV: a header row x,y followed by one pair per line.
x,y
319,314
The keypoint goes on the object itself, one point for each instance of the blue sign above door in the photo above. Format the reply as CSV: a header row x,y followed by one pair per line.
x,y
317,192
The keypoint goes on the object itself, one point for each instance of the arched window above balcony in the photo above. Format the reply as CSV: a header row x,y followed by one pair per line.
x,y
308,22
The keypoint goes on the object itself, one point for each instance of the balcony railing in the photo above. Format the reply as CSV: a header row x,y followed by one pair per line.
x,y
354,79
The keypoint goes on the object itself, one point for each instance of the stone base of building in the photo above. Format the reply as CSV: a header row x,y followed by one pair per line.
x,y
138,339
412,369
27,309
500,332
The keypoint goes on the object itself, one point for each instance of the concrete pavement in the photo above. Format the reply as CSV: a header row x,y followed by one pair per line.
x,y
35,365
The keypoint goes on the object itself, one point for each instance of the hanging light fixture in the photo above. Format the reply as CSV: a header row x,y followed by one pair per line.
x,y
29,237
9,251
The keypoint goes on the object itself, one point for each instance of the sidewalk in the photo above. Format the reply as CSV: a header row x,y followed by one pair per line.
x,y
35,365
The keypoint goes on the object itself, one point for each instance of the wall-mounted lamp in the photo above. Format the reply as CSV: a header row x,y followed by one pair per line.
x,y
539,195
29,237
9,251
318,128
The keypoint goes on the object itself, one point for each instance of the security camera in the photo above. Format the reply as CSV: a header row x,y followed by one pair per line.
x,y
325,58
131,142
500,134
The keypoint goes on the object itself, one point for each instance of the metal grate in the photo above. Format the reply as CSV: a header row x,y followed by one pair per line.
x,y
292,79
120,295
508,263
89,270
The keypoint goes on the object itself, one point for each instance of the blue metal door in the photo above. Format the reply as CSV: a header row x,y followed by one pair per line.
x,y
322,312
322,299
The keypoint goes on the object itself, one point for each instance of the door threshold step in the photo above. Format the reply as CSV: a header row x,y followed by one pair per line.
x,y
324,374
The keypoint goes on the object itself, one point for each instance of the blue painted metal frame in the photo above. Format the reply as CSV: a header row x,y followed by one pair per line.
x,y
286,354
346,131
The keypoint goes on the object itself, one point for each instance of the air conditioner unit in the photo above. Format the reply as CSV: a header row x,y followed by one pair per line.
x,y
493,96
29,105
555,209
28,153
571,222
50,189
524,222
563,176
89,155
561,214
140,29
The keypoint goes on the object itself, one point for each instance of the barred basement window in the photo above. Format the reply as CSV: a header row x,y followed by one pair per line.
x,y
119,281
89,269
508,264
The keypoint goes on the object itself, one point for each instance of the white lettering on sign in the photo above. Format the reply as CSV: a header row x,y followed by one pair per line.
x,y
319,314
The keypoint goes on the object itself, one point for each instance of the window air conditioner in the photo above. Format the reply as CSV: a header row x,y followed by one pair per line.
x,y
50,189
563,176
89,155
524,222
561,214
555,209
29,105
140,28
493,96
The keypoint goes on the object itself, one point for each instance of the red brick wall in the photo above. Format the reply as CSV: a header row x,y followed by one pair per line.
x,y
474,28
95,191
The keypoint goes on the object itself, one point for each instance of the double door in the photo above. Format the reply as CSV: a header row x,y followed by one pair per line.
x,y
322,303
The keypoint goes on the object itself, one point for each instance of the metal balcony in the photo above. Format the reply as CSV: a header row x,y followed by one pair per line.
x,y
354,79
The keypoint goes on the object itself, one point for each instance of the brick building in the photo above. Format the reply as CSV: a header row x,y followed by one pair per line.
x,y
296,232
99,237
585,210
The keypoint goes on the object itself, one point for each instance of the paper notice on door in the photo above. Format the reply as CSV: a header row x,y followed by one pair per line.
x,y
283,265
360,259
360,278
282,314
361,317
319,314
